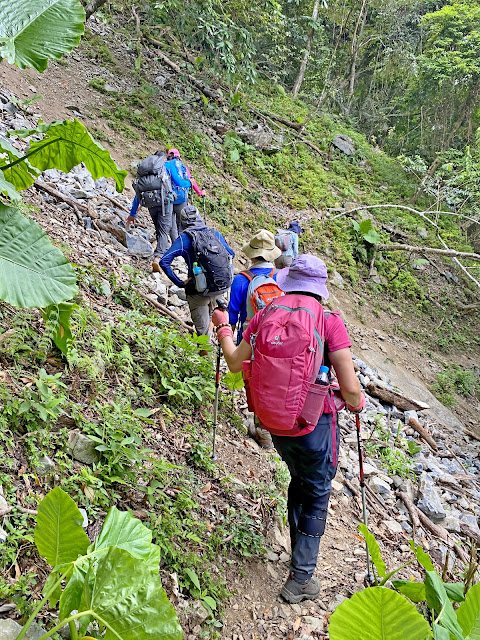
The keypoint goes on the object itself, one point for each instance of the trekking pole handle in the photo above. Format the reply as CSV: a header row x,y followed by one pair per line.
x,y
221,304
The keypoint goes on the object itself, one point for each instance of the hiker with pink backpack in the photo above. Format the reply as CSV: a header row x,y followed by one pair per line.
x,y
280,354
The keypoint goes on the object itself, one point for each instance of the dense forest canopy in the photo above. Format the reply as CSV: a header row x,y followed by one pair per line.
x,y
407,73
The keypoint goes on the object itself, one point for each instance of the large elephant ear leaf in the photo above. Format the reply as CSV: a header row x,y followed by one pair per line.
x,y
67,144
129,600
377,614
33,272
31,31
468,614
59,535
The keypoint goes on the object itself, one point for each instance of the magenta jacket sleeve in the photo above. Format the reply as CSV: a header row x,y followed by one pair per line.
x,y
195,186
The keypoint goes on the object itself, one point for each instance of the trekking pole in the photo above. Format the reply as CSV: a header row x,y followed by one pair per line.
x,y
204,214
220,305
369,579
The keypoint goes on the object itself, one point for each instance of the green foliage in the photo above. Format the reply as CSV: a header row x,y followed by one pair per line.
x,y
66,144
58,315
456,381
115,581
377,614
35,273
395,455
361,233
31,33
387,615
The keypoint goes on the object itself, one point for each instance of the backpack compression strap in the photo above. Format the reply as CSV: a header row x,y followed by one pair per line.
x,y
250,275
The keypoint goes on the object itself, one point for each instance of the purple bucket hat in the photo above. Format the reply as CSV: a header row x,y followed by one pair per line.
x,y
306,273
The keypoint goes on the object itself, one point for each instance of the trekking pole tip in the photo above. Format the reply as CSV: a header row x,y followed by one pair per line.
x,y
369,580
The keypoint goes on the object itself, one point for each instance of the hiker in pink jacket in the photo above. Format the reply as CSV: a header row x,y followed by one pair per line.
x,y
310,452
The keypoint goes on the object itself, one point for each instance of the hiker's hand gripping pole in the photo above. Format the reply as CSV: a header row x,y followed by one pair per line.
x,y
223,307
369,578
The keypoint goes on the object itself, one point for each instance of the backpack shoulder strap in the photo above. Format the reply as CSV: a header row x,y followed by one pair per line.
x,y
270,275
248,274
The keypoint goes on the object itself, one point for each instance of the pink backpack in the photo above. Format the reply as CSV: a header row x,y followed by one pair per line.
x,y
287,351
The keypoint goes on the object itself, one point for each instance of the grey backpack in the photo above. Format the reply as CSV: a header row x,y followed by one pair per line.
x,y
153,186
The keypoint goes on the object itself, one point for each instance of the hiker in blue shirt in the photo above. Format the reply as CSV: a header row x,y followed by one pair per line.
x,y
162,214
262,252
201,306
287,241
180,194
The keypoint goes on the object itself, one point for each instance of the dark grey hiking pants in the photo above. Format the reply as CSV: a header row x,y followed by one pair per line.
x,y
310,461
162,220
176,222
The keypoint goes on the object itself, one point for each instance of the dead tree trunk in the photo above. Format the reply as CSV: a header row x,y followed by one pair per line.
x,y
355,48
306,55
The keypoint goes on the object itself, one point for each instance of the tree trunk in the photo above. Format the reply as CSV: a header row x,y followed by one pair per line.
x,y
93,6
355,48
306,55
465,114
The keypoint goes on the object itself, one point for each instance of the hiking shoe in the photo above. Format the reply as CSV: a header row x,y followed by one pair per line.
x,y
294,592
263,438
156,266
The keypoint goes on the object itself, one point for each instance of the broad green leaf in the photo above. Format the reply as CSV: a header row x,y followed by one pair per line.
x,y
66,144
438,600
59,535
210,602
129,599
32,31
72,594
143,413
365,226
422,557
124,531
8,189
413,447
455,591
415,591
193,578
234,380
234,155
371,237
60,314
374,550
440,633
22,174
468,614
377,614
47,588
33,272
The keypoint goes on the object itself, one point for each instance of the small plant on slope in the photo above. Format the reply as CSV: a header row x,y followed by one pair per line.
x,y
113,581
378,613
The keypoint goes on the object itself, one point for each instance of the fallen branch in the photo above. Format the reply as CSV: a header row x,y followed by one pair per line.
x,y
115,202
392,397
41,186
166,311
411,510
443,252
422,432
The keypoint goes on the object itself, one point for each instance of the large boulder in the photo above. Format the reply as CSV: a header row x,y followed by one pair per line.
x,y
344,144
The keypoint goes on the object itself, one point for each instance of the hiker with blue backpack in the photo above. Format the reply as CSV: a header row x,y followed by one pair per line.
x,y
256,286
287,241
209,267
287,353
156,187
175,163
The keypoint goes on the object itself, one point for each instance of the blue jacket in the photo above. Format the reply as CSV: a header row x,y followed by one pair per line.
x,y
238,296
177,183
183,247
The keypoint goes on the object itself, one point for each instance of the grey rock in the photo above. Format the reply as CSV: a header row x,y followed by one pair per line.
x,y
81,194
109,88
379,485
333,604
101,184
393,526
9,630
259,136
3,504
82,448
44,466
138,245
178,291
337,280
85,518
315,624
410,414
3,537
429,501
344,144
451,522
422,232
